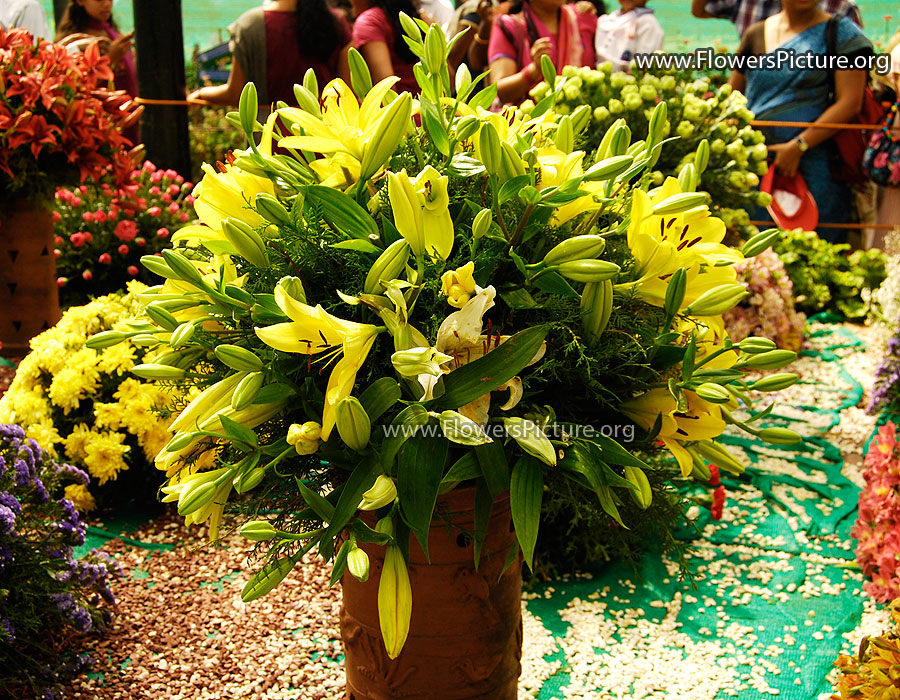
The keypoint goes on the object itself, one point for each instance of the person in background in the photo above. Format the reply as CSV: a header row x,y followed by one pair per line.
x,y
532,29
629,30
788,93
378,36
86,21
274,46
25,14
440,12
746,12
889,197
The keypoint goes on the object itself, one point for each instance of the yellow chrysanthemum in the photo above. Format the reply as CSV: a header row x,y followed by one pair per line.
x,y
81,497
105,456
108,416
76,442
117,359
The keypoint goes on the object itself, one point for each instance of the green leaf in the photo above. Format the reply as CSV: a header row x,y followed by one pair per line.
x,y
484,502
320,506
519,299
239,432
558,198
511,187
613,453
360,481
578,459
431,120
268,577
494,467
544,105
272,393
364,533
613,479
609,505
687,364
464,165
492,370
379,397
340,563
342,211
358,245
465,468
554,283
403,426
484,98
420,465
526,490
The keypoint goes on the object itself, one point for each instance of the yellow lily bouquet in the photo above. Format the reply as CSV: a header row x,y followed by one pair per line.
x,y
387,297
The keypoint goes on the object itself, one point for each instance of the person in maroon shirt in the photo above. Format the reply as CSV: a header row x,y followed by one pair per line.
x,y
378,36
273,47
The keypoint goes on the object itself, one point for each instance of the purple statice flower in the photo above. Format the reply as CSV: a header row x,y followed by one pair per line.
x,y
11,502
7,631
13,435
73,473
24,473
7,520
41,491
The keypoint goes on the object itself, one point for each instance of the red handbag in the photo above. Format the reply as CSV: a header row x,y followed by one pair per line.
x,y
850,144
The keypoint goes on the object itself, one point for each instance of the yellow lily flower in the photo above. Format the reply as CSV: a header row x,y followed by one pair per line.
x,y
663,243
556,167
311,331
511,123
459,284
421,212
702,421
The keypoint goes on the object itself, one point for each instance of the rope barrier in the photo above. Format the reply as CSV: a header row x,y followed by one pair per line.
x,y
820,125
855,226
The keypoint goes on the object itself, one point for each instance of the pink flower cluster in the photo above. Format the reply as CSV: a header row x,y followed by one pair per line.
x,y
769,309
877,528
101,231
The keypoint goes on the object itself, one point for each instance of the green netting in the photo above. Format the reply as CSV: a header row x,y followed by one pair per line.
x,y
777,589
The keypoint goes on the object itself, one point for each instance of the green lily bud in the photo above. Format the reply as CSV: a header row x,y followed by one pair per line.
x,y
770,360
416,361
603,150
714,393
239,294
258,531
182,335
353,423
581,118
700,471
564,138
238,358
308,102
435,53
482,223
179,442
717,300
247,390
643,495
182,267
714,453
387,267
531,439
293,287
510,162
688,178
678,203
621,139
755,346
106,339
461,430
658,121
675,292
195,496
760,242
596,308
358,564
701,156
268,577
156,371
463,78
157,265
576,248
161,317
588,270
248,243
467,126
272,210
779,436
775,382
410,27
249,480
382,493
391,130
608,168
145,341
489,145
394,601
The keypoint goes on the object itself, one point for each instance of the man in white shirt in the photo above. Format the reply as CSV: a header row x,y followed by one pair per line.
x,y
25,14
629,30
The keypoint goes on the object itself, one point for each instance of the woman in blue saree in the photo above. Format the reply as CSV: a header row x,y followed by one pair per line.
x,y
782,90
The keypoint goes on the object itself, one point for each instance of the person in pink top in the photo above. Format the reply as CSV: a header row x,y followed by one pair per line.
x,y
378,36
532,29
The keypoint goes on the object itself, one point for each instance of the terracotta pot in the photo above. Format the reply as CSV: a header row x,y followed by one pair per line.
x,y
29,298
465,638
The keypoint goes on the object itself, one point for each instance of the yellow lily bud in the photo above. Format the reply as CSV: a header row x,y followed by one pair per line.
x,y
358,564
382,493
353,423
459,285
394,601
531,439
416,361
